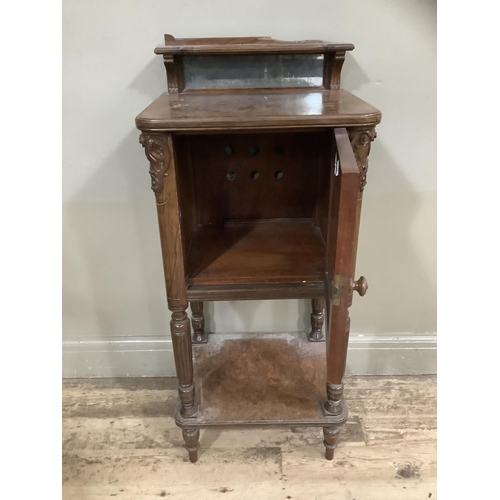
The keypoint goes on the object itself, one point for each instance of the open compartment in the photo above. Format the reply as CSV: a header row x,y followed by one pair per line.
x,y
254,207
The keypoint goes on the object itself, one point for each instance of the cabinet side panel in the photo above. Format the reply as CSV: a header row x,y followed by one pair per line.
x,y
185,183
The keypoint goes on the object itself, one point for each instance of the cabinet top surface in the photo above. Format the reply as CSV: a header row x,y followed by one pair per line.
x,y
256,108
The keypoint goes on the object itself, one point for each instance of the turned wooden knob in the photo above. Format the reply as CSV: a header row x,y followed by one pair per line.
x,y
361,286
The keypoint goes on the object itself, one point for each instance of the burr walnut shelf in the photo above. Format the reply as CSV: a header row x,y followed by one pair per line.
x,y
283,376
258,161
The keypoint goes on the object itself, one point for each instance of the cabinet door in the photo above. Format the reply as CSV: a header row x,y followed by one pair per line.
x,y
340,251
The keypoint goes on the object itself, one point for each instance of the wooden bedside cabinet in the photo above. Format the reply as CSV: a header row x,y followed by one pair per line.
x,y
258,162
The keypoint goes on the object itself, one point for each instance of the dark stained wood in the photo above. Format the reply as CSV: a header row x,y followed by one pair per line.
x,y
175,49
317,320
332,69
282,222
198,320
361,139
323,201
257,291
259,254
259,195
341,242
331,439
191,438
246,45
181,342
185,185
256,176
175,72
241,109
163,171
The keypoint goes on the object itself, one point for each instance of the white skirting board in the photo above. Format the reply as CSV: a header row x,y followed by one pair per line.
x,y
369,354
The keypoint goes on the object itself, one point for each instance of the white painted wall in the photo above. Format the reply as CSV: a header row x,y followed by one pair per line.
x,y
113,284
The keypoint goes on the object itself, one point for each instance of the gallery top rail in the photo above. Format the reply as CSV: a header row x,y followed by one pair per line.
x,y
247,45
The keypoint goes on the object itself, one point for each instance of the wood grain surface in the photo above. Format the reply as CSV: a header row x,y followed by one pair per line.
x,y
256,109
120,440
246,45
267,379
256,255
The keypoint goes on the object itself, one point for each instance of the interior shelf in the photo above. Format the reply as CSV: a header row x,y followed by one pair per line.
x,y
260,378
256,255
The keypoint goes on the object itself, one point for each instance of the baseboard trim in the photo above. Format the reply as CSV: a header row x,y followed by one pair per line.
x,y
392,354
369,354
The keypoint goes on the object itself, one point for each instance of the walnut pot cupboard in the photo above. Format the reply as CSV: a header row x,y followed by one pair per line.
x,y
258,162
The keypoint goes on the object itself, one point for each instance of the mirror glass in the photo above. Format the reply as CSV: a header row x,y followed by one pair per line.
x,y
253,71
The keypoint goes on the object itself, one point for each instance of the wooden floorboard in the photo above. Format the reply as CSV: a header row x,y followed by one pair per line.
x,y
120,440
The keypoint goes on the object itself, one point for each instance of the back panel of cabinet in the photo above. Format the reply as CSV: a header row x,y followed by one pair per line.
x,y
256,176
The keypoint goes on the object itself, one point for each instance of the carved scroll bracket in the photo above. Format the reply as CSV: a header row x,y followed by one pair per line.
x,y
361,139
175,74
158,166
338,62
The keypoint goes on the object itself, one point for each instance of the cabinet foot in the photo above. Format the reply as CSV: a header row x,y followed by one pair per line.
x,y
331,435
191,438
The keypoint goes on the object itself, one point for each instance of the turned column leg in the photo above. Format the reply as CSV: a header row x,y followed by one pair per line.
x,y
183,355
159,148
317,320
331,435
198,321
336,361
191,438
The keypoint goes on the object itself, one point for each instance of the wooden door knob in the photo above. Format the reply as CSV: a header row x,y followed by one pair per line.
x,y
361,286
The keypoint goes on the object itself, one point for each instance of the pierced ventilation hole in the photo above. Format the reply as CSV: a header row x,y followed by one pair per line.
x,y
278,150
255,175
229,150
231,176
278,174
254,150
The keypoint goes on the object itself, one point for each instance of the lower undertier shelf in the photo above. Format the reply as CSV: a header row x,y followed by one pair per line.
x,y
260,379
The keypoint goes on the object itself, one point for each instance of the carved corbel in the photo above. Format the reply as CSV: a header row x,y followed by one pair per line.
x,y
361,139
158,168
338,62
175,74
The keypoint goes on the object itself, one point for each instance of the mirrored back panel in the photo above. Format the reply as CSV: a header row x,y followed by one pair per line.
x,y
253,71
